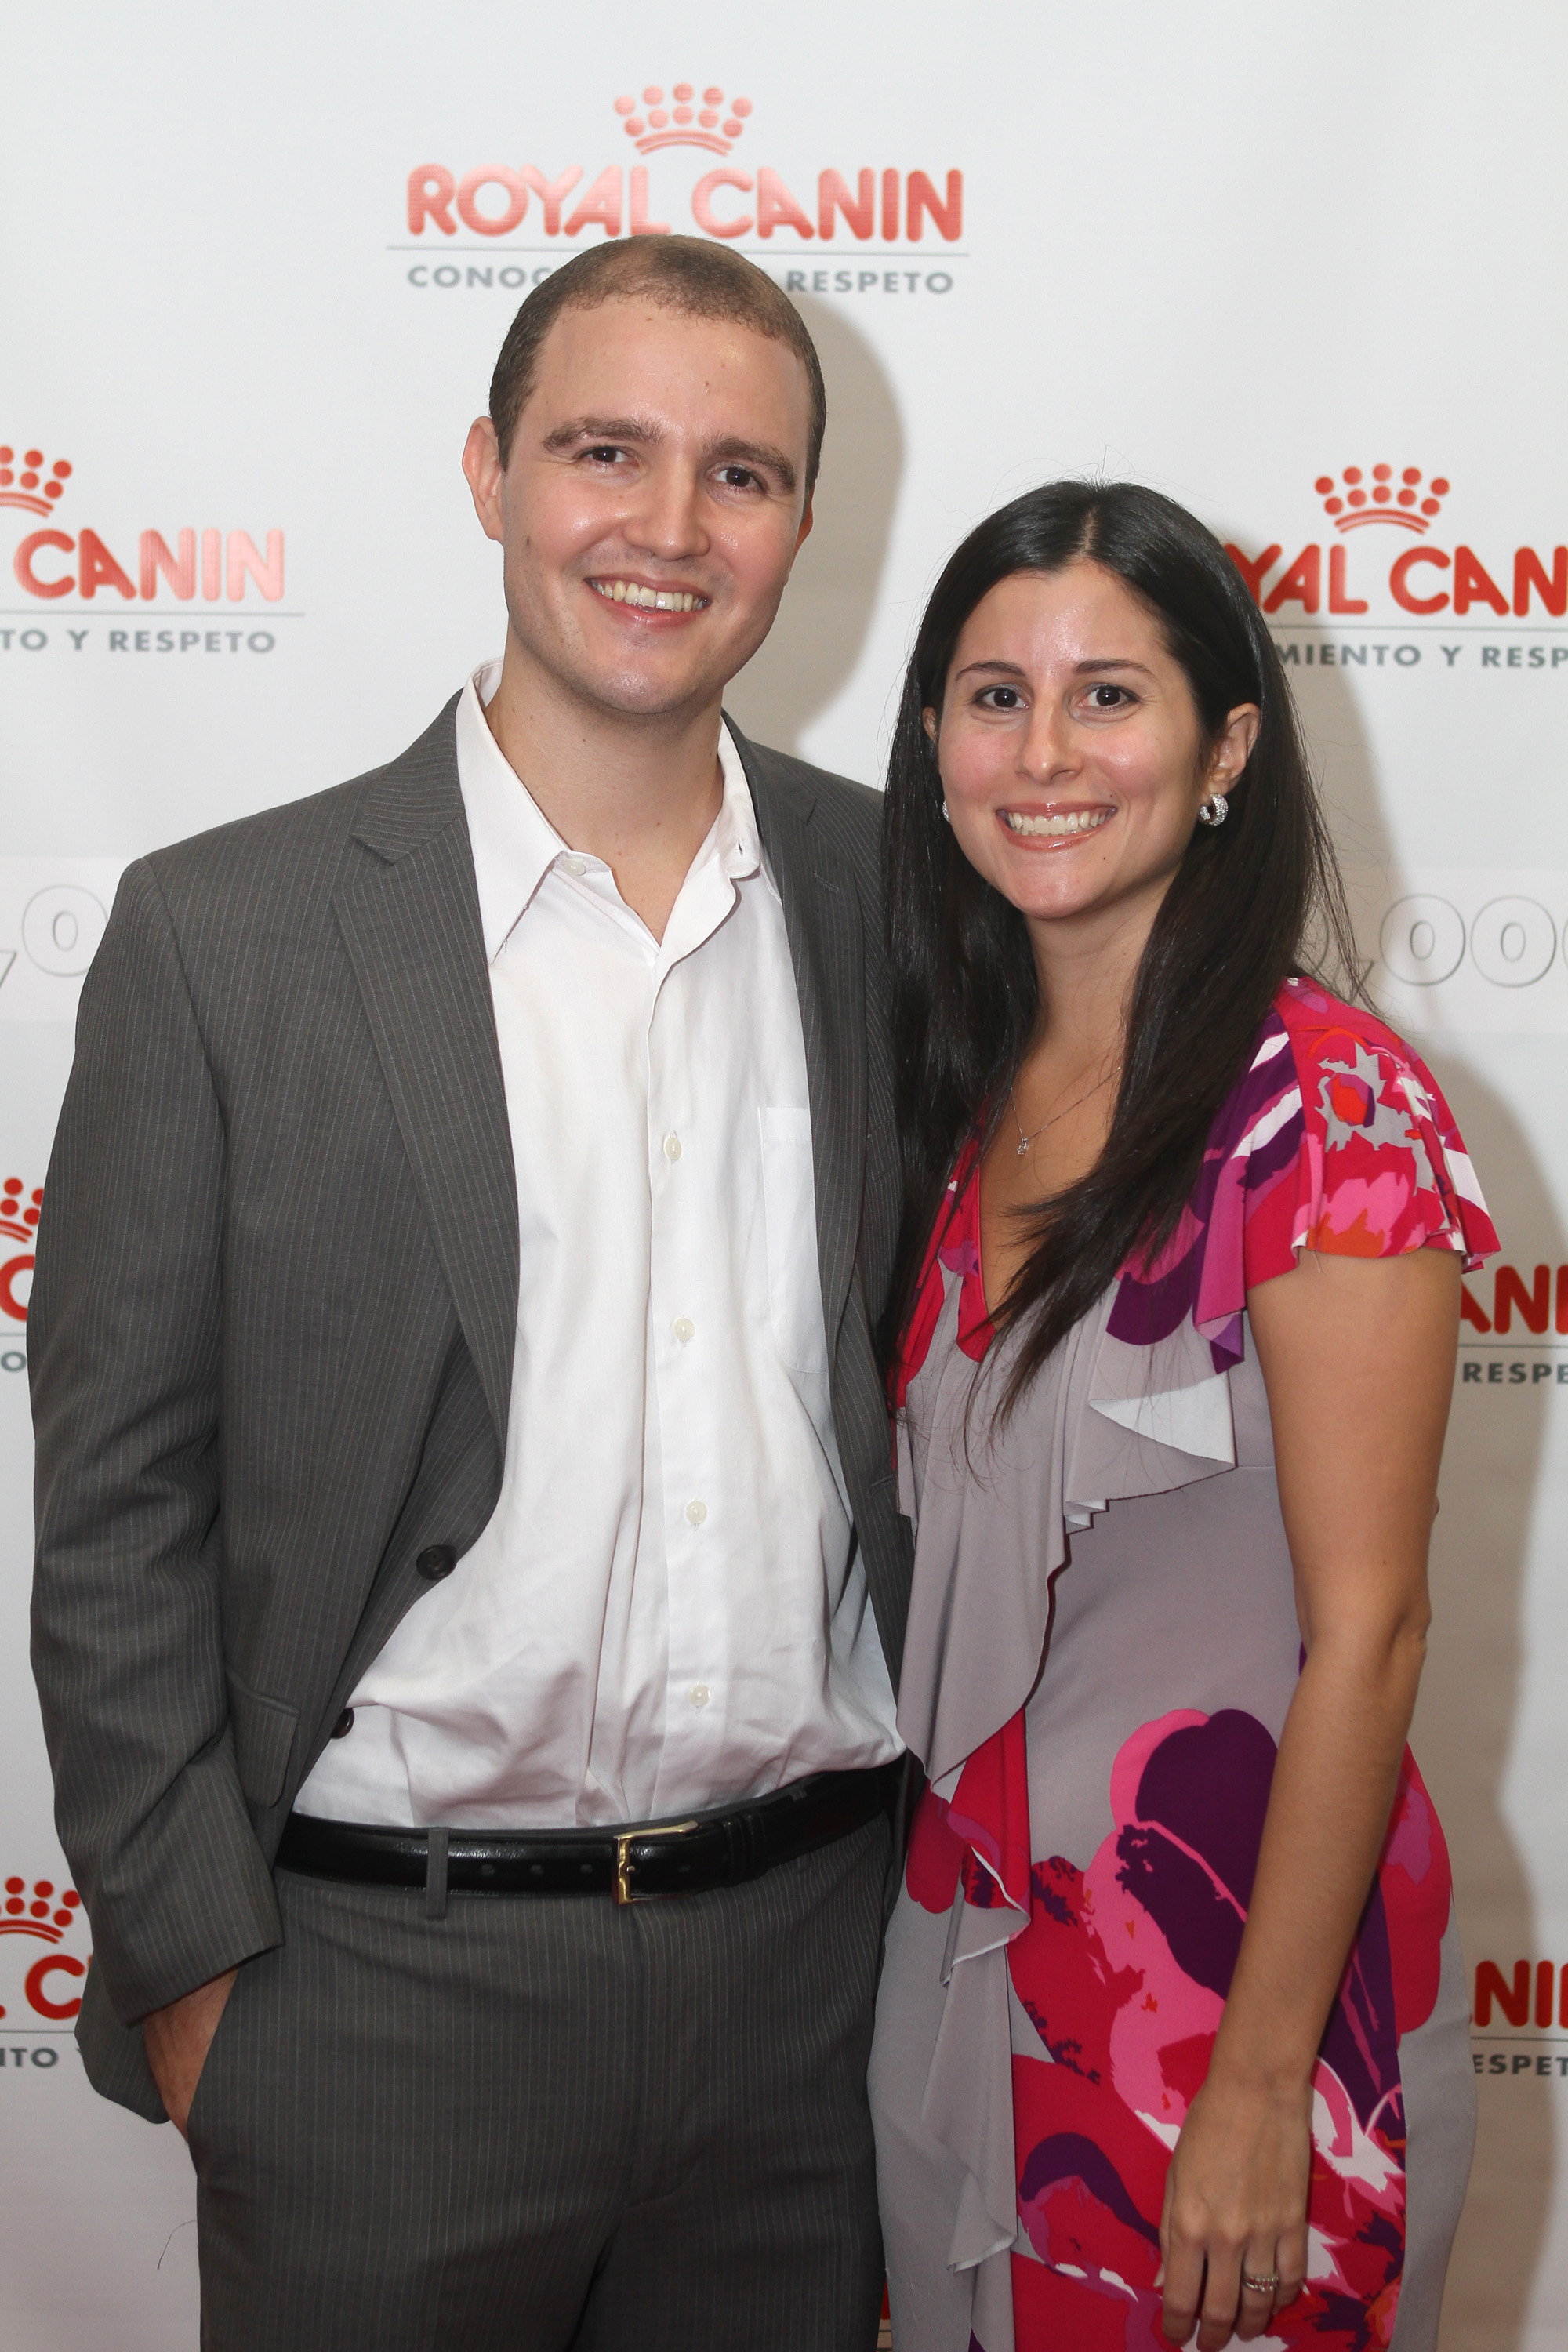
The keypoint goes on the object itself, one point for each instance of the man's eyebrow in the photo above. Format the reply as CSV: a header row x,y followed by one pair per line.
x,y
735,451
574,431
603,428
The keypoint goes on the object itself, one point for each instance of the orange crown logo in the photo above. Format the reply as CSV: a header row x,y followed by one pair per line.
x,y
46,1912
27,486
1358,498
684,119
17,1220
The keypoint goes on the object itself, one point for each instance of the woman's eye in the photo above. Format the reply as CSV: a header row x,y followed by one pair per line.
x,y
1001,697
1108,698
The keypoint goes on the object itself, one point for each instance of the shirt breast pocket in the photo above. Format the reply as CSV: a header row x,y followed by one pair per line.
x,y
789,1211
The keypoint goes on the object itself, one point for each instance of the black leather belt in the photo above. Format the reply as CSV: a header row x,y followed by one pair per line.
x,y
678,1857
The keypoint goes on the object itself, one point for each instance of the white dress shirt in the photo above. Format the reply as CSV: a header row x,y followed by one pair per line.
x,y
666,1610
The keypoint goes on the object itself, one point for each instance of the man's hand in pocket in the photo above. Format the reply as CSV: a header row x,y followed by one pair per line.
x,y
177,2040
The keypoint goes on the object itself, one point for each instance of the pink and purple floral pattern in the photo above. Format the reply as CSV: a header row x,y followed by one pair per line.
x,y
1337,1139
1123,1968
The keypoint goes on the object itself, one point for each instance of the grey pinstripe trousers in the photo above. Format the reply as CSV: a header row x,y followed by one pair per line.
x,y
539,2123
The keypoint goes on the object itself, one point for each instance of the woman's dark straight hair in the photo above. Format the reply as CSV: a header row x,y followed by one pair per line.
x,y
1252,902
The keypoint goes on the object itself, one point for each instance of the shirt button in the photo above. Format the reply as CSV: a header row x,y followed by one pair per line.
x,y
575,865
699,1695
684,1328
696,1512
345,1724
672,1145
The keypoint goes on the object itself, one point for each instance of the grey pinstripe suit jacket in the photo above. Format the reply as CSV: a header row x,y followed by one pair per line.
x,y
273,1316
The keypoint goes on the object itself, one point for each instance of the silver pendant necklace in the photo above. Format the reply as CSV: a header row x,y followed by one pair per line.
x,y
1026,1140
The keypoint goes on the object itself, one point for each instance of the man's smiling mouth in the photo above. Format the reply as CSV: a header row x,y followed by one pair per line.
x,y
652,600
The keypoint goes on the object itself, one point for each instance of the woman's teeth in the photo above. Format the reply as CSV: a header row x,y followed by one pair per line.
x,y
652,599
1085,820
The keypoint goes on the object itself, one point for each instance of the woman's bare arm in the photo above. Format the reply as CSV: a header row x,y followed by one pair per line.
x,y
1357,1356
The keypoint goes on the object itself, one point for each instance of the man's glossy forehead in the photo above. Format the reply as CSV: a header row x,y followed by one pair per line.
x,y
629,356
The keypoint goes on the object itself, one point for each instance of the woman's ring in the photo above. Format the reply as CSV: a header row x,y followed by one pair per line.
x,y
1256,2284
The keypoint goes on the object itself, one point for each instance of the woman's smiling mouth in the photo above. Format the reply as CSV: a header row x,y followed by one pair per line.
x,y
1054,826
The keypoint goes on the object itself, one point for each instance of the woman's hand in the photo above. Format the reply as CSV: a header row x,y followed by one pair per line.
x,y
1235,2206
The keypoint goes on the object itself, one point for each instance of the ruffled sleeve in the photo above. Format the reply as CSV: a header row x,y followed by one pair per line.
x,y
1335,1139
1380,1167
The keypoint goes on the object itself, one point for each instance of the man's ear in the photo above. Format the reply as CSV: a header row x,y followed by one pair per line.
x,y
485,472
804,533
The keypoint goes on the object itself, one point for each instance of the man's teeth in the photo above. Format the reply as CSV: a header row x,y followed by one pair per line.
x,y
1085,821
653,600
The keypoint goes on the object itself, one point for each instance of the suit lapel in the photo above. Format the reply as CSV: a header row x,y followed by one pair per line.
x,y
407,907
822,919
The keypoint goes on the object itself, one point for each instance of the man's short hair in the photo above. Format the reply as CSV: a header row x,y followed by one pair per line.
x,y
678,273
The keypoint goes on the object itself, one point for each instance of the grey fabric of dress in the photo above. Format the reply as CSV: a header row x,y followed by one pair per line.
x,y
1115,1567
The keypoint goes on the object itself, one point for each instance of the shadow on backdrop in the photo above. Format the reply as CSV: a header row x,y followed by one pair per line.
x,y
816,641
1465,1731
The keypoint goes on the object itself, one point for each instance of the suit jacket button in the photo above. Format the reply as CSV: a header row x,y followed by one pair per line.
x,y
345,1724
435,1562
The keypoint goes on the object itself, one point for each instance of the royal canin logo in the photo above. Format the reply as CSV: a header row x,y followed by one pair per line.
x,y
1541,1303
18,1221
1411,506
27,488
231,562
38,1909
680,121
1524,1994
1424,580
19,1208
886,202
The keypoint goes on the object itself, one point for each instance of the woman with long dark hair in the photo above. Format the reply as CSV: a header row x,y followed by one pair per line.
x,y
1173,2031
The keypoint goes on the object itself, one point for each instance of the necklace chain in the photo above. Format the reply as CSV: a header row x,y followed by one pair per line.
x,y
1026,1140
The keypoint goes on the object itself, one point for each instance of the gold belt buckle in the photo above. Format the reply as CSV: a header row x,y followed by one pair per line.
x,y
622,1888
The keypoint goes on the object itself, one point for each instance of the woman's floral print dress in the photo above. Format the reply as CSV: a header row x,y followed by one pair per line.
x,y
1080,1867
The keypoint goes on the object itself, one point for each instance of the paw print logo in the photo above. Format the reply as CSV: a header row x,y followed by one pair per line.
x,y
684,118
20,1215
23,482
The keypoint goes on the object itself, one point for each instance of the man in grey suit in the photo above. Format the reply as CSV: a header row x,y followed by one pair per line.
x,y
469,1591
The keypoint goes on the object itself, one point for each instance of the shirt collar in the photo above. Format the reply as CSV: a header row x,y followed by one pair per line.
x,y
515,845
513,841
735,832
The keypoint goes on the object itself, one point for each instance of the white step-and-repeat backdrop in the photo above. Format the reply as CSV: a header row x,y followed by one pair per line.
x,y
1302,268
